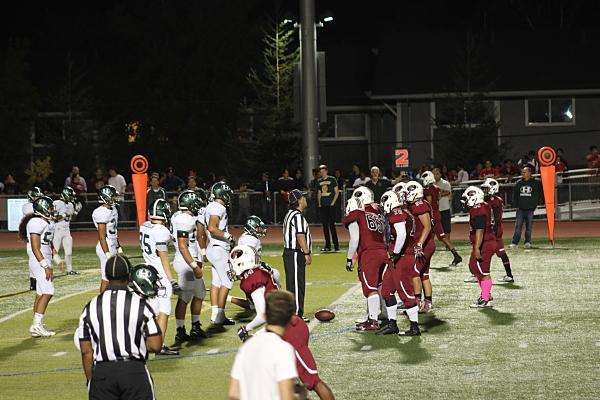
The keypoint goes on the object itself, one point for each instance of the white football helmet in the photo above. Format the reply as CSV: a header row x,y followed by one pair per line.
x,y
363,196
491,185
243,258
351,205
413,191
399,189
389,201
472,196
427,178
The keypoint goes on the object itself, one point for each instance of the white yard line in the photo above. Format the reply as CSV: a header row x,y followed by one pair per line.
x,y
213,351
59,354
15,314
350,292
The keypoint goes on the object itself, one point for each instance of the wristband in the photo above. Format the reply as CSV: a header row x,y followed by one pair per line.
x,y
44,264
108,254
227,235
203,252
119,250
194,264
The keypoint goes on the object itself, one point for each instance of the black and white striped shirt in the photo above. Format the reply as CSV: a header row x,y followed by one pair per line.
x,y
118,322
293,224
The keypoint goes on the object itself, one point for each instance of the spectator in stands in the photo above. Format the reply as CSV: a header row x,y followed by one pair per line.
x,y
210,181
561,165
354,173
444,200
98,181
10,185
192,184
476,172
243,206
285,184
361,180
265,186
340,180
327,199
561,153
593,158
526,196
508,170
461,174
444,171
299,179
423,168
46,186
488,171
172,183
154,192
377,184
75,171
77,184
452,176
118,181
528,161
1,187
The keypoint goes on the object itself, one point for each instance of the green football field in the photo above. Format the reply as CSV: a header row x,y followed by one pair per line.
x,y
541,341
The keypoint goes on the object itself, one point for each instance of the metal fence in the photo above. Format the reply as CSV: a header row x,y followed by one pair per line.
x,y
577,198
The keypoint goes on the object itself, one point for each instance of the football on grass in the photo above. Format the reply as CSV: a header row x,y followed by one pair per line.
x,y
324,315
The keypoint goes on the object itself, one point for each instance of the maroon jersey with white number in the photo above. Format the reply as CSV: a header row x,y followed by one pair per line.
x,y
418,208
434,192
371,223
256,278
401,215
497,204
480,217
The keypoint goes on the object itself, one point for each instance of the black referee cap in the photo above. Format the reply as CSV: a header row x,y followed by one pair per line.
x,y
295,195
117,268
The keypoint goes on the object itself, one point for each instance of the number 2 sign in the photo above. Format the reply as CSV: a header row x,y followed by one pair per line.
x,y
401,158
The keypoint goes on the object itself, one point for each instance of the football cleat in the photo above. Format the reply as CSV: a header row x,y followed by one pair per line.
x,y
456,261
336,249
225,321
326,250
39,330
243,334
506,279
181,335
480,303
305,319
390,329
470,279
166,351
421,306
73,273
197,332
368,325
413,331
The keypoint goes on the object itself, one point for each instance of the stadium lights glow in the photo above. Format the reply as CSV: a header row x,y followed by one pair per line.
x,y
287,21
327,19
568,113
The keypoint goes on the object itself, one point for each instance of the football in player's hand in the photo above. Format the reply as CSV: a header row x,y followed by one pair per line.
x,y
324,315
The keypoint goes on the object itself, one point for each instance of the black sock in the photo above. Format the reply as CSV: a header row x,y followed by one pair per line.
x,y
454,253
428,298
391,302
506,262
414,325
418,296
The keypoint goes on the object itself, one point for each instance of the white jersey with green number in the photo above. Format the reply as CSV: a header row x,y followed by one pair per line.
x,y
108,216
218,210
154,237
45,229
184,225
66,211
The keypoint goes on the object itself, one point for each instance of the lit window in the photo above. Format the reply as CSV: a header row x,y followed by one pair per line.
x,y
550,111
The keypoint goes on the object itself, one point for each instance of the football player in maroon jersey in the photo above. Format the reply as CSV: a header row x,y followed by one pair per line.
x,y
400,270
424,245
483,239
365,222
256,282
431,193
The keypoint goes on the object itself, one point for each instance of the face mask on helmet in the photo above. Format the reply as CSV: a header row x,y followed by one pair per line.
x,y
472,196
413,191
389,201
490,186
427,178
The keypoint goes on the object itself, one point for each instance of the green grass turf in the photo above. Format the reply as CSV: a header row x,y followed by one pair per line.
x,y
540,341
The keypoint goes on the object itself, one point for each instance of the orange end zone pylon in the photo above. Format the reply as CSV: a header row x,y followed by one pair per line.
x,y
547,158
139,167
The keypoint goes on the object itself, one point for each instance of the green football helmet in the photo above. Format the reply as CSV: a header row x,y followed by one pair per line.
x,y
43,207
143,279
108,195
255,226
221,190
34,193
160,210
68,194
189,200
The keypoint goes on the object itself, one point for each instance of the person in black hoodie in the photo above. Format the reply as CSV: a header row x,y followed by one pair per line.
x,y
526,197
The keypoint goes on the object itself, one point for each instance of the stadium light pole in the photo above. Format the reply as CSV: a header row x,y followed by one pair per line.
x,y
308,67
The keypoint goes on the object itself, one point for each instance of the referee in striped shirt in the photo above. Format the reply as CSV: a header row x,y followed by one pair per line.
x,y
116,331
297,246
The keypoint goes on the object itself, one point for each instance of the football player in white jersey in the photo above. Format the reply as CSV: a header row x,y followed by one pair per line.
x,y
66,207
27,209
186,230
38,229
217,252
154,239
106,219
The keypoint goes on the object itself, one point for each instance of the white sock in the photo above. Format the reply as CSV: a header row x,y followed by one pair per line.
x,y
180,323
255,323
413,314
69,262
392,312
373,304
229,298
195,318
214,310
38,318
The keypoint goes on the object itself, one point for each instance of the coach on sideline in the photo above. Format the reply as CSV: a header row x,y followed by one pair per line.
x,y
116,331
296,248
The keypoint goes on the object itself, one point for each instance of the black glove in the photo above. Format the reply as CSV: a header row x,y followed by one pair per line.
x,y
266,266
419,250
395,259
349,264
